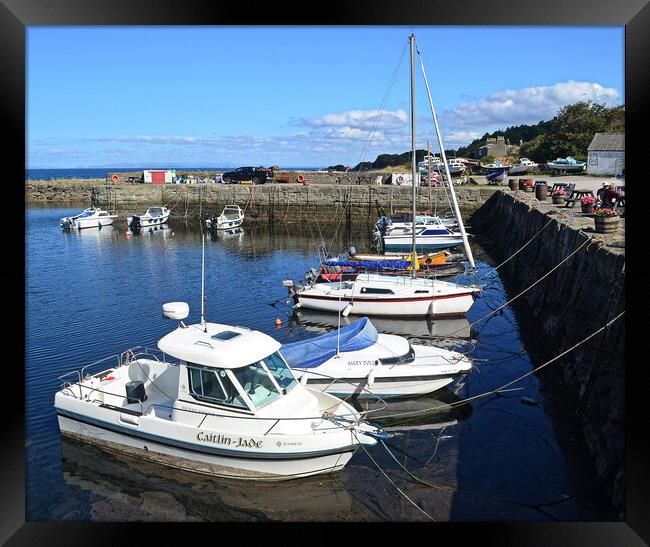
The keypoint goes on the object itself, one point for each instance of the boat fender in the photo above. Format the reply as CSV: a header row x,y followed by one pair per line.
x,y
370,380
347,310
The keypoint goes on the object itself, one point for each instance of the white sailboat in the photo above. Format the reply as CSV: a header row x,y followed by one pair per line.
x,y
378,294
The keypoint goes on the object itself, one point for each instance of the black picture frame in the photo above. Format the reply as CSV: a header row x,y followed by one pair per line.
x,y
16,15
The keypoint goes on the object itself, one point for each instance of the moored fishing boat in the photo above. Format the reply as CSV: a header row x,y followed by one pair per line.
x,y
226,405
155,216
93,217
230,218
358,357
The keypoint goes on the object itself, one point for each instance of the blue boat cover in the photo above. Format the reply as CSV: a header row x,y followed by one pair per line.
x,y
370,264
315,351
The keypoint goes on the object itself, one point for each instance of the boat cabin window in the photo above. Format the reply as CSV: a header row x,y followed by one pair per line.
x,y
155,210
280,371
374,290
257,384
212,385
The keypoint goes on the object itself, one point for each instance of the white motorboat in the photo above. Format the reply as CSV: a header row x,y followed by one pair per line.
x,y
387,295
93,217
569,164
225,404
523,166
155,216
496,166
231,217
347,360
430,234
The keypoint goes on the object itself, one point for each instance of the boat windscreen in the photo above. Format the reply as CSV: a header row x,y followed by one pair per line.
x,y
315,351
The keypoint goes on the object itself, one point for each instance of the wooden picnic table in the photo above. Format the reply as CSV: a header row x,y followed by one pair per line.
x,y
575,195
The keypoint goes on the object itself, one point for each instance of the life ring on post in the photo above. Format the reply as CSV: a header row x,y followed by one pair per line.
x,y
400,179
115,178
300,178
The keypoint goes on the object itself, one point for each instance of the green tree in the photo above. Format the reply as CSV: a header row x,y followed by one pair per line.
x,y
570,132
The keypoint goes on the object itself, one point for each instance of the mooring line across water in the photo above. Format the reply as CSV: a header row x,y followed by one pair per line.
x,y
504,386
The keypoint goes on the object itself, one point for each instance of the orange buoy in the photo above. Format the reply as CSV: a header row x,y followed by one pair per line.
x,y
278,322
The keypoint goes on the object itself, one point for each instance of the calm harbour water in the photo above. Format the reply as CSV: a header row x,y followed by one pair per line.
x,y
95,293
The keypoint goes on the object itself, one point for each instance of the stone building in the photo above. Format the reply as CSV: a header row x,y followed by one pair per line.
x,y
606,154
499,147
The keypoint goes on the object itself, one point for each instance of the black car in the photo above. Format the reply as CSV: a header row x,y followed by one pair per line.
x,y
258,175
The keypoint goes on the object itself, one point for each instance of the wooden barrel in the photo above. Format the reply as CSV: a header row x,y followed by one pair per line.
x,y
606,225
541,191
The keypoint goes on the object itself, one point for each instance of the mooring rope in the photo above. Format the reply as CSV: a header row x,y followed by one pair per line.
x,y
518,251
504,386
591,241
391,481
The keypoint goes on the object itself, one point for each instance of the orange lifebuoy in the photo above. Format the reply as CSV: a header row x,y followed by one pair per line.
x,y
115,178
300,178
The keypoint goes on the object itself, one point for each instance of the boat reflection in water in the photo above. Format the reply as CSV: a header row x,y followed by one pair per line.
x,y
123,488
432,411
105,233
424,328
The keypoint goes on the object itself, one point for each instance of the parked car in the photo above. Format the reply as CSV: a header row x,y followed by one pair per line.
x,y
258,175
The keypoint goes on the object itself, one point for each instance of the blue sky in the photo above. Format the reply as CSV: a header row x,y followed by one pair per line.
x,y
295,96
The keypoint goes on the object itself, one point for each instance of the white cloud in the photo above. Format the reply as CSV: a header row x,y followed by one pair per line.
x,y
527,105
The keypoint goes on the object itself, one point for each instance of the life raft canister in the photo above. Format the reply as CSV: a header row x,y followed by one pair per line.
x,y
300,178
115,178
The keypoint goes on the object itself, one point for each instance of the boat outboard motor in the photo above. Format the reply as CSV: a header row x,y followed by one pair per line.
x,y
135,224
135,392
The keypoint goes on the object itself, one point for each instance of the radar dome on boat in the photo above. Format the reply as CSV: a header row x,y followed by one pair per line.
x,y
176,310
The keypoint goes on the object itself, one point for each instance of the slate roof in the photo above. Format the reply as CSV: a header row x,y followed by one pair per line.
x,y
608,141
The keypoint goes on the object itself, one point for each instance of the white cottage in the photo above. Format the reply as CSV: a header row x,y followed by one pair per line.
x,y
606,154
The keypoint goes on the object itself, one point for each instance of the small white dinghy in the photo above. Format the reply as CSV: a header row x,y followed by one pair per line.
x,y
356,359
155,216
227,405
231,217
93,217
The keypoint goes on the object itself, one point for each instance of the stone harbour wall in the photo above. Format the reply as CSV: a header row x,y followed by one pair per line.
x,y
263,203
571,303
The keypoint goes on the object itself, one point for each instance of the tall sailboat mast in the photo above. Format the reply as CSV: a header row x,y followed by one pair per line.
x,y
452,192
413,162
